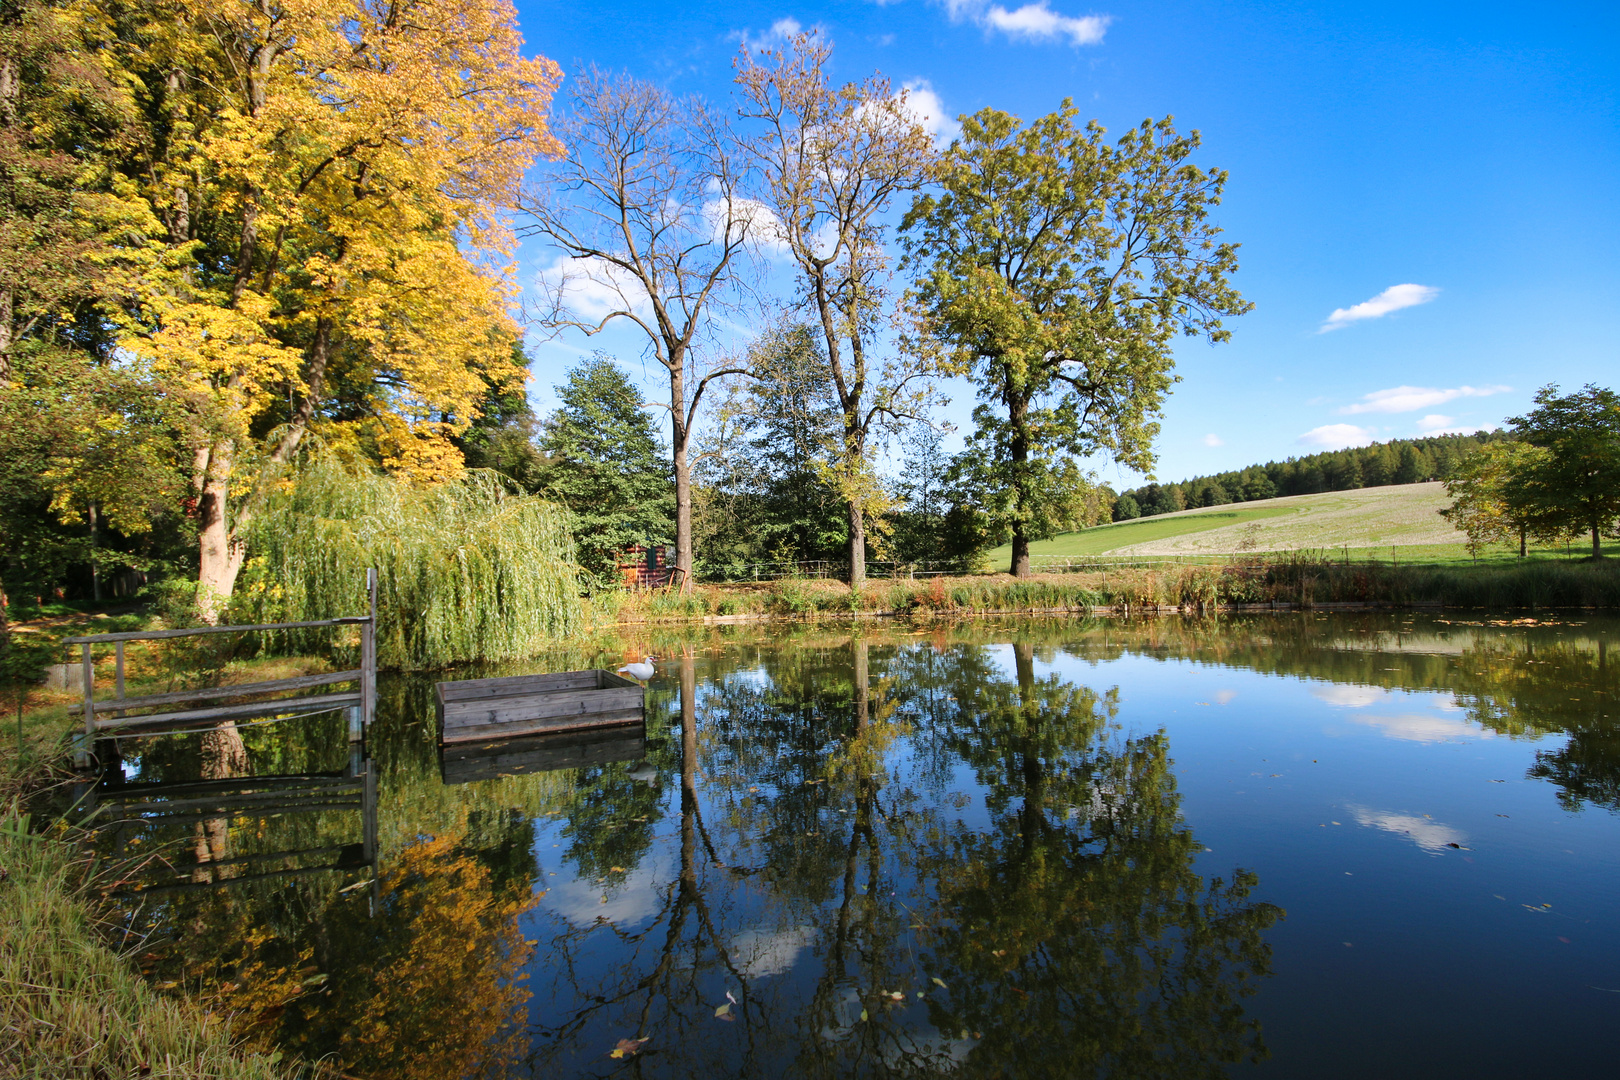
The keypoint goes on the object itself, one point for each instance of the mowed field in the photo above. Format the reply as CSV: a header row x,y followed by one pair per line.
x,y
1405,515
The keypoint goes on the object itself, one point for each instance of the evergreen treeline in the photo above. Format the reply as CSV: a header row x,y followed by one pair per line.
x,y
1399,461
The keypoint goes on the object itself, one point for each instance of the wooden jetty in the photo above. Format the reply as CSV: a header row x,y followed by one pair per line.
x,y
487,759
486,709
150,714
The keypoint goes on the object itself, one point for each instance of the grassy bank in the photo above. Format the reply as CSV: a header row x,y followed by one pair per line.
x,y
70,1005
1295,578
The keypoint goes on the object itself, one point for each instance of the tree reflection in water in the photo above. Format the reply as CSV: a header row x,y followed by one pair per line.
x,y
825,821
866,925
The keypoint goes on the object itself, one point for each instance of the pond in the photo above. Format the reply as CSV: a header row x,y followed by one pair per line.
x,y
1299,845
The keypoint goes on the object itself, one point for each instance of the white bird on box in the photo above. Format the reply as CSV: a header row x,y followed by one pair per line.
x,y
640,671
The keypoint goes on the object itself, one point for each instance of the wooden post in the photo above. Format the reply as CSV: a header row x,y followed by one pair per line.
x,y
120,669
368,654
89,677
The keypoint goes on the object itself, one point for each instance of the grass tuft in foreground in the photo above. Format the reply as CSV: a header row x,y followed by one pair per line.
x,y
72,1007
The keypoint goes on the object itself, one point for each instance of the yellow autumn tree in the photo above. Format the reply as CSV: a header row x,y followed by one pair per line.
x,y
320,188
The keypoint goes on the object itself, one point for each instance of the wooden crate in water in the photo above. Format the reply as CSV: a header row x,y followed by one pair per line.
x,y
484,709
486,759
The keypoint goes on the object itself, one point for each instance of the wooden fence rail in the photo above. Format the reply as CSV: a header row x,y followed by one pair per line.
x,y
118,715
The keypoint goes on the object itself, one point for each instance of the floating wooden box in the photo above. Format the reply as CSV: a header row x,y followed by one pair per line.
x,y
485,709
465,762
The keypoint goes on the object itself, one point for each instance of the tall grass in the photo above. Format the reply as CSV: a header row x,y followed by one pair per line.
x,y
69,1005
467,571
1294,578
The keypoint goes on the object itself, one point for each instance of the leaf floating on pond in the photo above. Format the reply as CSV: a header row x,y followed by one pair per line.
x,y
627,1048
724,1013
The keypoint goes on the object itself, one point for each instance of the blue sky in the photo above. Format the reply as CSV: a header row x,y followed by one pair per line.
x,y
1425,193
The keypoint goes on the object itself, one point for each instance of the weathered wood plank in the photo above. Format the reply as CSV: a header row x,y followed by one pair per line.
x,y
186,817
301,682
476,689
240,799
206,717
485,760
192,631
230,784
578,703
542,727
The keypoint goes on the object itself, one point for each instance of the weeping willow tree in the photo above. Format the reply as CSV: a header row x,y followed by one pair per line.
x,y
466,570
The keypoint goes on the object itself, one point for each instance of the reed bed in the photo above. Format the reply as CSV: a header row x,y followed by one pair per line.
x,y
466,570
1302,579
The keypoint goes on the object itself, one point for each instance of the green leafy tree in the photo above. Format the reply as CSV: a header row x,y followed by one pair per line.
x,y
1126,508
1577,483
1492,501
768,489
1061,268
606,465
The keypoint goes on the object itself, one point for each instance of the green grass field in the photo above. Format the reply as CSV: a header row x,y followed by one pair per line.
x,y
1398,523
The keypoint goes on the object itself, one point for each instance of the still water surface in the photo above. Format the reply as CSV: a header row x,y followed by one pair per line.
x,y
1282,846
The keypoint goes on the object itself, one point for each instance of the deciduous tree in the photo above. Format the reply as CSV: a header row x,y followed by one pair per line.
x,y
315,190
833,159
1577,482
646,213
1062,267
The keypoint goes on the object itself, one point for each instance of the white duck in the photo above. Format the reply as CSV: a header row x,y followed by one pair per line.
x,y
642,671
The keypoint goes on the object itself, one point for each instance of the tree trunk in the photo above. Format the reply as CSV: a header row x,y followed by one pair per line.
x,y
857,546
1522,530
1018,420
1597,544
7,307
220,553
679,437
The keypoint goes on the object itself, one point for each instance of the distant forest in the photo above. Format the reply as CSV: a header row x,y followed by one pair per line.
x,y
1399,461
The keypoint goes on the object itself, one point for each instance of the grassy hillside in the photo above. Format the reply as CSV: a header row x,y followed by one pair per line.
x,y
1368,519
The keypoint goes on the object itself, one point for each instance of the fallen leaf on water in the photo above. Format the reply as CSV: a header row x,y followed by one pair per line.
x,y
939,982
627,1048
615,869
724,1012
863,1016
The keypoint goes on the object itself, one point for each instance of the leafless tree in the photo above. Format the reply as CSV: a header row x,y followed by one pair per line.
x,y
832,160
646,214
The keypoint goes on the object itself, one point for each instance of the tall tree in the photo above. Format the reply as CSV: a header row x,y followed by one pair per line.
x,y
768,461
1492,498
315,188
646,213
833,160
1577,483
1061,268
606,465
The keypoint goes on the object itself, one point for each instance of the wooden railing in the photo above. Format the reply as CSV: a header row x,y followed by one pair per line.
x,y
123,715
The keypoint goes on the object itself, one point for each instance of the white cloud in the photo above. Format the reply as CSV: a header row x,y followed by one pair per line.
x,y
1033,22
765,232
1349,697
1391,299
628,902
1336,436
1426,834
763,953
592,288
1434,422
780,31
1213,439
926,108
1423,728
1399,399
